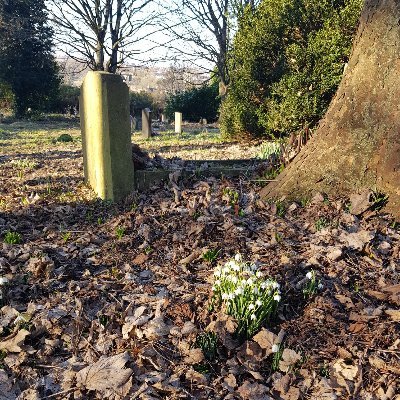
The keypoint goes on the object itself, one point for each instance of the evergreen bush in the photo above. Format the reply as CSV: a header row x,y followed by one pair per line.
x,y
195,103
287,60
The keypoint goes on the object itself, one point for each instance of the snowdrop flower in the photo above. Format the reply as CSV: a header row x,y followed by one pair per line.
x,y
259,274
253,317
231,296
238,257
253,267
217,272
243,282
258,303
309,275
217,282
239,291
256,290
275,348
236,267
213,288
277,297
264,285
234,279
251,306
3,281
250,281
224,296
226,270
275,285
320,286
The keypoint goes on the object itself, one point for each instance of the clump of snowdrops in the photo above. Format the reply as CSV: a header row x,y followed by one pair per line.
x,y
248,296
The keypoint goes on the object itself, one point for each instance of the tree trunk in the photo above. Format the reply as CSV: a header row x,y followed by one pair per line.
x,y
357,144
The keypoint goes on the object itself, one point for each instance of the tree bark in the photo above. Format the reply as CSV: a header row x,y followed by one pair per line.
x,y
357,144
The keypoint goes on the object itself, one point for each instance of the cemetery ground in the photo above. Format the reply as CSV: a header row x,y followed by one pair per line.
x,y
113,301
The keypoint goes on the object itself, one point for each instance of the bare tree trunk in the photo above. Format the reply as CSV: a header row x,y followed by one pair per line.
x,y
357,144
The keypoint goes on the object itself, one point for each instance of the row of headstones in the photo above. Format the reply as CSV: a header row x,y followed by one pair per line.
x,y
147,130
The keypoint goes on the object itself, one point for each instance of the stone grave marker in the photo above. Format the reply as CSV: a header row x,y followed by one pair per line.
x,y
146,123
106,135
178,122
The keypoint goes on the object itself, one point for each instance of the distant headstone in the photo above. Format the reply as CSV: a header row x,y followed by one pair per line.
x,y
178,122
163,118
146,123
203,121
133,123
106,135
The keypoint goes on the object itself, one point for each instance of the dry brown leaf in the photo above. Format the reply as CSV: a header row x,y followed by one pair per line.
x,y
230,383
196,377
357,327
347,376
266,340
393,314
289,359
383,365
360,202
12,343
253,391
108,373
140,259
195,356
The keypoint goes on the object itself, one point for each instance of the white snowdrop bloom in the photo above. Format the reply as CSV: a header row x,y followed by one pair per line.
x,y
250,281
309,275
320,286
239,291
277,297
217,272
238,257
252,306
213,288
253,267
226,270
224,296
231,296
3,280
275,348
236,267
258,303
264,285
275,285
259,274
243,282
253,316
217,282
256,290
234,279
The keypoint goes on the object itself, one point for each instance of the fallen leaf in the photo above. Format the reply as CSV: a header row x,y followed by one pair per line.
x,y
393,314
289,359
13,342
253,391
195,356
360,202
266,340
106,374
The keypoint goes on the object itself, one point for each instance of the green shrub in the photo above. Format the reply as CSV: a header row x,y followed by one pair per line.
x,y
65,137
195,103
140,101
287,60
67,100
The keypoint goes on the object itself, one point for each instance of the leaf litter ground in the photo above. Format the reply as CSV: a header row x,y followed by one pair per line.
x,y
108,301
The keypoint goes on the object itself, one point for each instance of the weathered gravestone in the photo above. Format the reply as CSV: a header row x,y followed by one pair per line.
x,y
146,123
106,136
178,122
